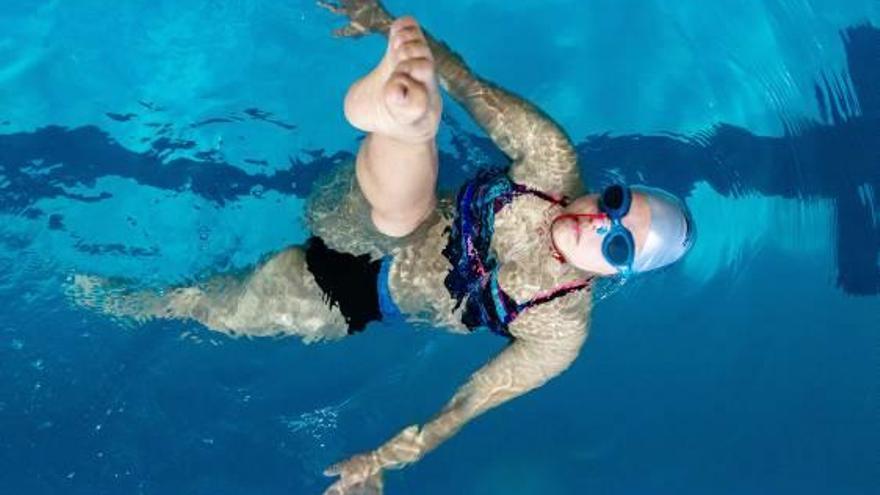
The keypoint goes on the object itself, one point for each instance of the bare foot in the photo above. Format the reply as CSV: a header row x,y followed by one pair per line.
x,y
113,298
399,98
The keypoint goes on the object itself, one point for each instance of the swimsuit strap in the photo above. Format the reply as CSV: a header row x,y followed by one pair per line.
x,y
473,278
549,295
561,290
508,309
524,189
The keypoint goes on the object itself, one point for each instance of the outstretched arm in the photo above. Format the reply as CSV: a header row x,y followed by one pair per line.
x,y
522,366
543,156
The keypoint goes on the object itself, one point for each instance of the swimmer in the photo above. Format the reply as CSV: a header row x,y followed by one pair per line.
x,y
516,251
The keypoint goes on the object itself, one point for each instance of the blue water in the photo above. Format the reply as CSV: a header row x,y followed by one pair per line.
x,y
163,140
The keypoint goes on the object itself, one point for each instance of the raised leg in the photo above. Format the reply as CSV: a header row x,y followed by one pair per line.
x,y
399,105
542,153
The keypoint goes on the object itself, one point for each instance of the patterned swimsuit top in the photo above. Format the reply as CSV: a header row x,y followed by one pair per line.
x,y
473,278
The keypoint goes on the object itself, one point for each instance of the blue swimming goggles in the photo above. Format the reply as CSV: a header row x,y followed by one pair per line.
x,y
618,246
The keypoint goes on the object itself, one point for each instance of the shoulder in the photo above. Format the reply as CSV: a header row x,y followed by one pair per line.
x,y
564,321
531,172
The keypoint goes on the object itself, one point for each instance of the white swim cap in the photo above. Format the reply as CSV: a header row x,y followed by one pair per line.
x,y
671,233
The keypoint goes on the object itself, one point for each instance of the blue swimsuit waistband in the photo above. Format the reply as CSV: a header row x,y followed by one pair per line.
x,y
387,305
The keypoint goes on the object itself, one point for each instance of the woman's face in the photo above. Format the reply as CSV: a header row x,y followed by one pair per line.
x,y
579,240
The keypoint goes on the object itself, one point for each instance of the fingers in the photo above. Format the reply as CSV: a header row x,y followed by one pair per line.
x,y
365,16
406,38
331,7
352,30
403,22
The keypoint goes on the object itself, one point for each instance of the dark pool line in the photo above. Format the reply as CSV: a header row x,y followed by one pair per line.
x,y
215,120
149,105
830,158
40,164
265,116
120,117
252,113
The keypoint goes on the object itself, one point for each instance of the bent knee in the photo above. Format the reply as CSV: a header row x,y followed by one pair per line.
x,y
394,224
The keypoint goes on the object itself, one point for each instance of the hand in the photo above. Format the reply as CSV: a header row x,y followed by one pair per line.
x,y
365,16
359,475
362,474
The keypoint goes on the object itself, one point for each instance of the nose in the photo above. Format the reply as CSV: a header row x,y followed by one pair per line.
x,y
600,226
597,222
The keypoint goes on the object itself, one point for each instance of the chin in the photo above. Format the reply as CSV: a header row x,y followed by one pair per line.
x,y
577,264
589,269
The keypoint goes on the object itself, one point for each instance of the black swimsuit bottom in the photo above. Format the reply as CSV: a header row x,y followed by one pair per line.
x,y
348,282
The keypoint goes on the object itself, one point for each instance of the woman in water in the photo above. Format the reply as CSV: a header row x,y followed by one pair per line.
x,y
511,253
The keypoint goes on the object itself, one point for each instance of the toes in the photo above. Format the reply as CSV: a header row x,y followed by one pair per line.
x,y
406,40
413,49
420,69
403,22
405,35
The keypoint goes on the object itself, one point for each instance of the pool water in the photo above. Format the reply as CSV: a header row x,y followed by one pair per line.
x,y
163,140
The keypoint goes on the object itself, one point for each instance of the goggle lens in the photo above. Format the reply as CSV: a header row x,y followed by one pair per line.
x,y
618,251
612,198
